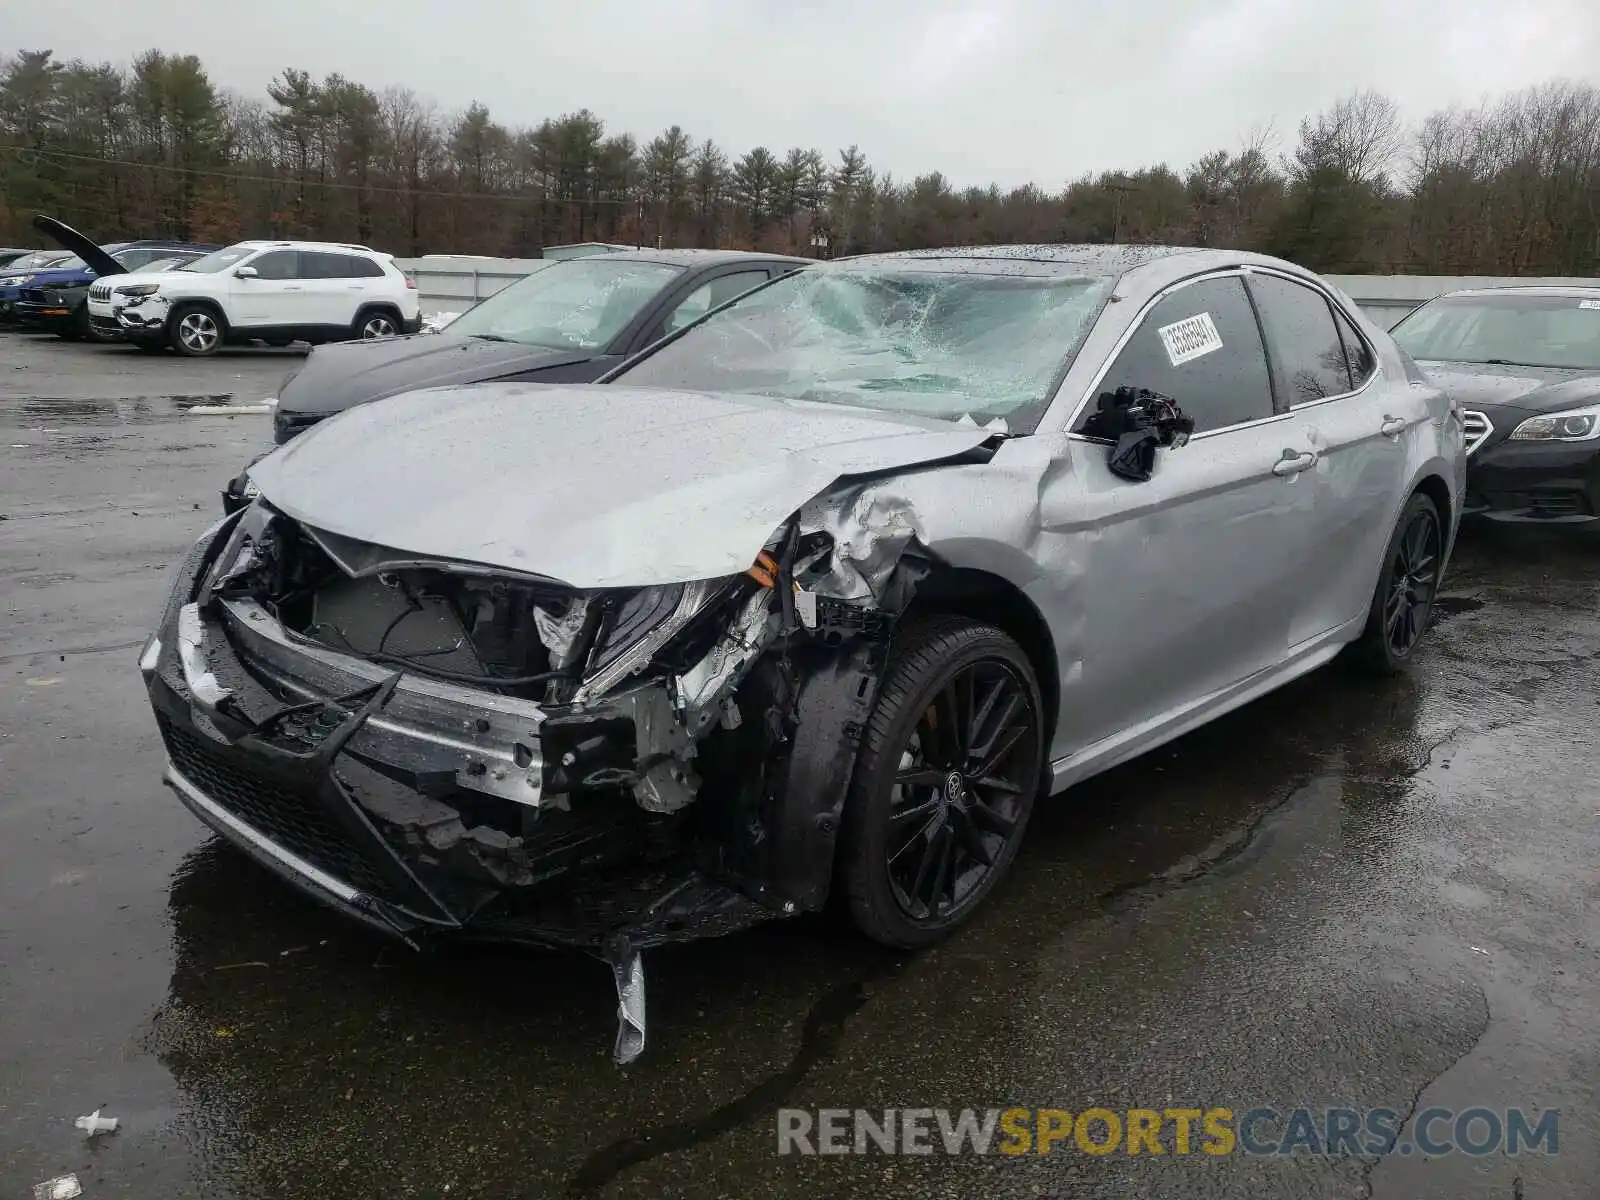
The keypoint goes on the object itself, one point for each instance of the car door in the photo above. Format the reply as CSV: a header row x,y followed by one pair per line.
x,y
331,293
274,297
1328,377
1187,581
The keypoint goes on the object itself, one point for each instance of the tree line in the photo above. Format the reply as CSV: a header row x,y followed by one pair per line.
x,y
158,148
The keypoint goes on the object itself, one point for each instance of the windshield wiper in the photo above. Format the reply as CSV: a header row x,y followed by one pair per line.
x,y
490,337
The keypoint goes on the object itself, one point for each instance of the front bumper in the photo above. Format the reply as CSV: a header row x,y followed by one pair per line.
x,y
47,315
1535,483
391,797
288,423
135,319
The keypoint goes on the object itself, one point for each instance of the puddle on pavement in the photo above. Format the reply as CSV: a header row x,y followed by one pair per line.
x,y
48,410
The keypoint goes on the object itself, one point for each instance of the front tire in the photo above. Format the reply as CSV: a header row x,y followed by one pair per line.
x,y
1402,603
196,331
949,767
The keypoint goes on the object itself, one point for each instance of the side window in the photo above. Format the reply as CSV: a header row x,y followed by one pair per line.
x,y
1358,355
709,295
1200,346
357,267
316,265
278,264
1307,356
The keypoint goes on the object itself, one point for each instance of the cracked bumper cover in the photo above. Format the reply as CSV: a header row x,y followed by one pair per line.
x,y
134,317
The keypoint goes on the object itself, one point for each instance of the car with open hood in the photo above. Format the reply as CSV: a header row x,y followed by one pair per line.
x,y
56,299
816,597
1524,364
570,321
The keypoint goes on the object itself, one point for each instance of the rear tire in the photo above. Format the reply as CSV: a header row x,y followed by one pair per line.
x,y
196,331
950,765
1402,603
375,324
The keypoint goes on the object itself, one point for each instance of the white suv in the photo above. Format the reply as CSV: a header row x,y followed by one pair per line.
x,y
276,292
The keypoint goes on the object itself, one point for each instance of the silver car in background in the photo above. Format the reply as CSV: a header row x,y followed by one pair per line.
x,y
814,598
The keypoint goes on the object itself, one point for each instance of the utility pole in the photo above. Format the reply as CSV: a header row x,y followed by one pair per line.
x,y
1119,190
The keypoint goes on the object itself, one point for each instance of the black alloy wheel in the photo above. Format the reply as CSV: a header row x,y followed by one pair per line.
x,y
1402,605
949,769
1413,580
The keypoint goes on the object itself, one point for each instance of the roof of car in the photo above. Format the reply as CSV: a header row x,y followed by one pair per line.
x,y
1575,291
168,244
1105,257
691,258
291,244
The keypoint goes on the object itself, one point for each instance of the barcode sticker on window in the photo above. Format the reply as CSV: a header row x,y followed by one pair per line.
x,y
1589,303
1190,338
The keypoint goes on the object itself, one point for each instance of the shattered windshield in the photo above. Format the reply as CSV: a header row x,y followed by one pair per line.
x,y
1525,331
573,304
939,337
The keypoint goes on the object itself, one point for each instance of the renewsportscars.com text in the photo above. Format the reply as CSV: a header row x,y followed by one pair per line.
x,y
1371,1132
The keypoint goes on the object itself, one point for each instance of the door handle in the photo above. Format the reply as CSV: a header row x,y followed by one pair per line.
x,y
1392,427
1293,462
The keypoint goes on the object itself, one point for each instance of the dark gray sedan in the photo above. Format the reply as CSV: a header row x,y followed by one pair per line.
x,y
568,322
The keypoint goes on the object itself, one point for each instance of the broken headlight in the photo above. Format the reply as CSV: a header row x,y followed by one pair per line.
x,y
644,623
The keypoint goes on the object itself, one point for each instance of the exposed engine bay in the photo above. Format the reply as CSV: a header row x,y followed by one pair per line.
x,y
607,769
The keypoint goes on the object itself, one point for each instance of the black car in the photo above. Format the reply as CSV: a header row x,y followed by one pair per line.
x,y
569,322
1524,365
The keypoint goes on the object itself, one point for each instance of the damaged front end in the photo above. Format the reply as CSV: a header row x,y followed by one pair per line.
x,y
441,747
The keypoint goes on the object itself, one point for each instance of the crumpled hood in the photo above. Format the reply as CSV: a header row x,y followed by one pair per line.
x,y
595,486
343,374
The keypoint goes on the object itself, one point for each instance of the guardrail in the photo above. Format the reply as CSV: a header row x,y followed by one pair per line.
x,y
453,285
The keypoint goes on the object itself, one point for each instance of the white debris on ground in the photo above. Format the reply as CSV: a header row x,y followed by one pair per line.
x,y
62,1187
434,322
94,1124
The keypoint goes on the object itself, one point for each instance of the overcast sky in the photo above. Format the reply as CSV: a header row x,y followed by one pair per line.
x,y
1009,91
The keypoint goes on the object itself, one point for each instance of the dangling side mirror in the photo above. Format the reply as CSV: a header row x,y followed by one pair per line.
x,y
1138,422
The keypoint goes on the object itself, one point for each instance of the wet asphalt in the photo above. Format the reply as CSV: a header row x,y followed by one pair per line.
x,y
1353,893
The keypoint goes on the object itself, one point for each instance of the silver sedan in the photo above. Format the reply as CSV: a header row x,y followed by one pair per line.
x,y
818,596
